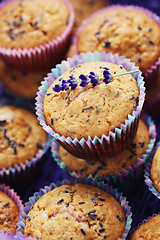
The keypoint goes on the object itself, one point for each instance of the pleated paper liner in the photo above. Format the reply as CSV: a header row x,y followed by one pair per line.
x,y
115,141
147,174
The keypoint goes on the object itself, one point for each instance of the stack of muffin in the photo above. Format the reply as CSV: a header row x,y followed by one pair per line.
x,y
90,104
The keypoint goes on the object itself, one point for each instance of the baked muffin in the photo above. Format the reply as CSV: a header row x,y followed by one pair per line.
x,y
21,136
148,230
129,31
106,164
32,20
21,83
91,111
155,172
77,211
35,34
84,8
9,214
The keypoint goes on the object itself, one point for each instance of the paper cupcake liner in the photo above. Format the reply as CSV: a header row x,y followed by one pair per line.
x,y
41,57
22,174
115,141
150,75
147,174
16,199
125,181
118,196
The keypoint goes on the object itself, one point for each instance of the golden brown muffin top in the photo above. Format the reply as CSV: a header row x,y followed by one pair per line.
x,y
149,230
30,23
22,83
77,211
106,165
20,136
91,111
128,32
155,170
9,214
84,8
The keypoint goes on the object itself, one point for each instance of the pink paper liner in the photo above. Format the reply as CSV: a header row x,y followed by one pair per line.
x,y
151,74
147,174
22,174
16,199
145,220
115,141
43,56
127,178
100,184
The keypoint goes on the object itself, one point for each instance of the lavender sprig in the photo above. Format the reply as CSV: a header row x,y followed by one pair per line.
x,y
92,78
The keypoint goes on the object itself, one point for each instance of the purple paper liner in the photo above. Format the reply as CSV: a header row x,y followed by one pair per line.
x,y
99,184
147,174
145,220
15,198
151,74
115,141
22,174
125,180
43,56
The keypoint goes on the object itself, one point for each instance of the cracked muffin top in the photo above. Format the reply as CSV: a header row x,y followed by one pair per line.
x,y
9,214
91,111
106,164
30,23
21,137
123,30
77,211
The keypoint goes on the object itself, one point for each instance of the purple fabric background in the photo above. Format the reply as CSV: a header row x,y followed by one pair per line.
x,y
143,203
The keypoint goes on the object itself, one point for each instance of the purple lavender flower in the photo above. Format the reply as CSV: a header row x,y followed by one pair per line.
x,y
84,80
64,85
107,76
94,79
72,82
57,88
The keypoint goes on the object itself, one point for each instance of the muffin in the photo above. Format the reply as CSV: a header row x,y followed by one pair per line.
x,y
21,136
105,164
27,29
91,111
9,214
84,9
148,230
76,211
155,172
84,111
130,31
10,208
20,83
